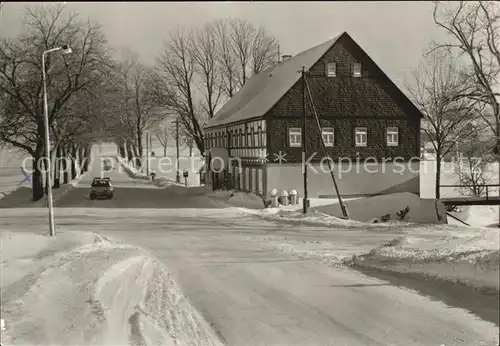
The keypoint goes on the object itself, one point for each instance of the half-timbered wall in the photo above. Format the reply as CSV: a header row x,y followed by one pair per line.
x,y
246,141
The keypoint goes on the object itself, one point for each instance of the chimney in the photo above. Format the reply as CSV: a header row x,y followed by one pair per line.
x,y
286,57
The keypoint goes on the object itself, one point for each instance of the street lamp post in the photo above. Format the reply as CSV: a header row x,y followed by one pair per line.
x,y
177,175
147,153
65,50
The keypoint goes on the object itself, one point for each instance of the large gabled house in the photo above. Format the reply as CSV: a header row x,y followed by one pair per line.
x,y
254,143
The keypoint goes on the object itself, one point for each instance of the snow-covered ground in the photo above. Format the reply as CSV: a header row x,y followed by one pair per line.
x,y
450,252
227,262
80,288
479,216
165,166
11,175
10,169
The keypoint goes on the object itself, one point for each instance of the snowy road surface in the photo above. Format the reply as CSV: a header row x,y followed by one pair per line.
x,y
132,193
253,294
79,288
248,288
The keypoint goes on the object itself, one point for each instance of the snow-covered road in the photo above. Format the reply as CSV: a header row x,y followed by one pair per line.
x,y
81,289
251,293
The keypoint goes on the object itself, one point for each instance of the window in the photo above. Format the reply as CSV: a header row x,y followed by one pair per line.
x,y
295,136
361,135
249,138
356,71
392,137
331,69
327,134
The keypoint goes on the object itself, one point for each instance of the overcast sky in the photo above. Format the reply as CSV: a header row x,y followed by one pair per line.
x,y
394,34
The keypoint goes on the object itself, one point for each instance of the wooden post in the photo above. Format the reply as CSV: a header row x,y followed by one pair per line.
x,y
177,175
343,207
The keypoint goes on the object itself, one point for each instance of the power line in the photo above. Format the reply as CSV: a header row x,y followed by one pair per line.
x,y
305,202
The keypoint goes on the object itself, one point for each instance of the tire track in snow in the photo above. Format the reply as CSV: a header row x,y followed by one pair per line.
x,y
102,293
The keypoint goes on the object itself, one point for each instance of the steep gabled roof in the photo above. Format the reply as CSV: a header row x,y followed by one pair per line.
x,y
266,88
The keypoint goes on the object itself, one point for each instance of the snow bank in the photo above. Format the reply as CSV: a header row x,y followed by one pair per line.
x,y
7,193
478,216
21,252
362,210
469,255
164,182
75,183
132,172
84,289
243,201
318,218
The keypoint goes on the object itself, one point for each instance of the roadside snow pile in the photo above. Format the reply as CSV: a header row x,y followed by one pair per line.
x,y
478,216
6,193
326,252
363,211
317,218
243,200
450,245
80,288
454,253
164,182
458,254
132,172
74,183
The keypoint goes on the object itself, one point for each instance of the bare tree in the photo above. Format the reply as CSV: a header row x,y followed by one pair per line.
x,y
137,105
226,57
186,140
163,135
200,68
474,29
437,82
21,81
204,53
243,50
174,87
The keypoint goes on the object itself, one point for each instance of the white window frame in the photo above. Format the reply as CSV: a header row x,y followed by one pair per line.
x,y
329,72
295,137
359,132
328,133
357,73
392,136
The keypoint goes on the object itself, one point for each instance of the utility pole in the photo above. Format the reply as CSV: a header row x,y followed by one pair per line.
x,y
177,175
341,203
305,202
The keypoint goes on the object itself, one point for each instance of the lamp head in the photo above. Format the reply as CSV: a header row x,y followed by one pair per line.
x,y
66,49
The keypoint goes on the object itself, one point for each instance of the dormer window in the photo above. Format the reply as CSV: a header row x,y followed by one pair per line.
x,y
356,70
331,69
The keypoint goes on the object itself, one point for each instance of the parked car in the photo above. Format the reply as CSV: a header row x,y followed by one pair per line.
x,y
101,188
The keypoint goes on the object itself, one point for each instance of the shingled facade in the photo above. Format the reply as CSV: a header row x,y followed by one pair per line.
x,y
363,116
